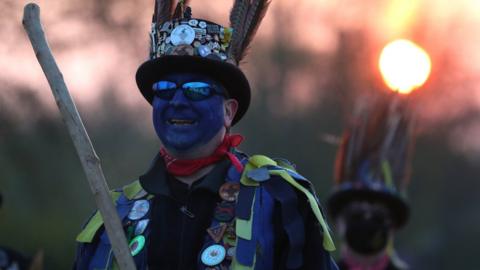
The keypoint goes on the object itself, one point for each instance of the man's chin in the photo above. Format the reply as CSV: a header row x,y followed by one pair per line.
x,y
179,144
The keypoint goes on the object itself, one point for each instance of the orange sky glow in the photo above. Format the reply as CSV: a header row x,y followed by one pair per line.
x,y
92,59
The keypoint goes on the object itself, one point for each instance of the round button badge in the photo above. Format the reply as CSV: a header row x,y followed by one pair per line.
x,y
183,50
204,50
141,226
225,211
202,24
229,191
213,255
140,209
182,35
136,245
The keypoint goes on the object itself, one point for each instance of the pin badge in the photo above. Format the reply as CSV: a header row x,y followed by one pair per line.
x,y
230,252
140,209
196,44
230,236
215,45
202,24
204,50
167,26
217,232
182,35
183,50
225,211
169,49
136,245
213,29
230,233
200,31
213,255
229,191
141,226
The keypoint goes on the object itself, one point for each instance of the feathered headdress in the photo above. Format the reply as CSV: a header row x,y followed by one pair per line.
x,y
373,161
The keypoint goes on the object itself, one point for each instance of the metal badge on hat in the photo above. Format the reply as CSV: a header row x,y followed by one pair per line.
x,y
228,43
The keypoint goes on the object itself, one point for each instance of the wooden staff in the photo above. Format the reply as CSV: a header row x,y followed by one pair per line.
x,y
83,145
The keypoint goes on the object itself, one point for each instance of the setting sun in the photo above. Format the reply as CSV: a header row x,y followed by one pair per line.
x,y
404,66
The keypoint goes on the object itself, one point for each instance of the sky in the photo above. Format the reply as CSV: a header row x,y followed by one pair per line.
x,y
93,57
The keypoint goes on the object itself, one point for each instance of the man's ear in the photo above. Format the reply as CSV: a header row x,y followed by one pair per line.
x,y
230,107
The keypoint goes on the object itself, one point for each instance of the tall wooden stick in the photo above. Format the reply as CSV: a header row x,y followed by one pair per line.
x,y
83,145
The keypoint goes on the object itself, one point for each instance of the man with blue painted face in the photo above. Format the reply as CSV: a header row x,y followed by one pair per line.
x,y
203,204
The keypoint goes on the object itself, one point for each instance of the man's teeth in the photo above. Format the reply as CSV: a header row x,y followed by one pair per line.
x,y
180,122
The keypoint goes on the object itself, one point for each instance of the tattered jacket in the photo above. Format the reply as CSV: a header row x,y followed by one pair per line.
x,y
270,197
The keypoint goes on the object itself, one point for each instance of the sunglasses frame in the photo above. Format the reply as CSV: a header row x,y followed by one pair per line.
x,y
169,93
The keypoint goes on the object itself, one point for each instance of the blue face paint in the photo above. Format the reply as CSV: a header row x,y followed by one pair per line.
x,y
182,124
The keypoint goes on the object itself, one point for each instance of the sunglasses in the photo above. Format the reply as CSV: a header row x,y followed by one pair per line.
x,y
194,91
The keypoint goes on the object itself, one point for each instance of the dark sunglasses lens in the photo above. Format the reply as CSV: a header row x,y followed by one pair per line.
x,y
164,89
198,93
165,94
197,90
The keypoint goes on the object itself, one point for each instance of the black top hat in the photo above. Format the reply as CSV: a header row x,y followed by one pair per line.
x,y
180,43
373,159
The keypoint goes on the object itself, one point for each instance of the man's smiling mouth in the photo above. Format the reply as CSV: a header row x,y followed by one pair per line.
x,y
180,122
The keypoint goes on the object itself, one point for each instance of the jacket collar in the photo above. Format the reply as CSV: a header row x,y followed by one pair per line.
x,y
154,181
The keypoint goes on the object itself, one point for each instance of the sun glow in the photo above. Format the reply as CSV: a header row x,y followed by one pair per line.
x,y
404,65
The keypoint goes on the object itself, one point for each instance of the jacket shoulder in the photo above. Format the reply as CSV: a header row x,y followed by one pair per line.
x,y
259,169
131,191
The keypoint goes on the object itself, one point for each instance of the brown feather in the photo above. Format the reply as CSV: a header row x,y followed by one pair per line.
x,y
237,22
380,132
163,11
178,13
255,15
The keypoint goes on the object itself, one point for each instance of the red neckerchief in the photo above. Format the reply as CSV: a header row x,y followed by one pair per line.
x,y
185,167
380,264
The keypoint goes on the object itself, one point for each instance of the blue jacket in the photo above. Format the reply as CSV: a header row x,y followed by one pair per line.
x,y
271,195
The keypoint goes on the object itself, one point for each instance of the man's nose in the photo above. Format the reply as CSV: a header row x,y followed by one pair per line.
x,y
179,99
